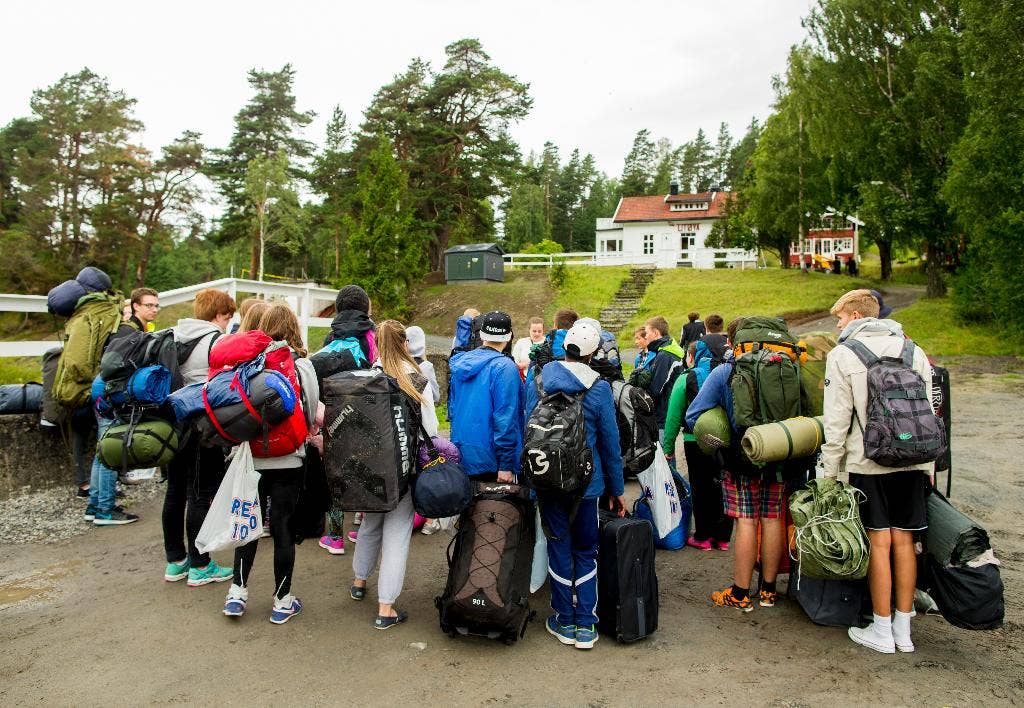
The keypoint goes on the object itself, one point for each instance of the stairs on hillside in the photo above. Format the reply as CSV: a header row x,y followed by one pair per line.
x,y
627,299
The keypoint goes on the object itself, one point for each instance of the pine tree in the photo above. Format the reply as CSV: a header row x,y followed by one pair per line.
x,y
723,151
639,165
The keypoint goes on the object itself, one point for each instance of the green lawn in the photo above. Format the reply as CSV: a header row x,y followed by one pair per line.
x,y
21,369
731,293
588,289
935,326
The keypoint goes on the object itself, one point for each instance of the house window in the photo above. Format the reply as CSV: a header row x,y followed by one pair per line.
x,y
613,245
675,207
648,244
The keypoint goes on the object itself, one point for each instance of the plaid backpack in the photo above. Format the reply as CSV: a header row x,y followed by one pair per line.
x,y
901,427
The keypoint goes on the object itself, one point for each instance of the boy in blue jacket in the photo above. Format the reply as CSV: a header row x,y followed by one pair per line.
x,y
573,543
486,403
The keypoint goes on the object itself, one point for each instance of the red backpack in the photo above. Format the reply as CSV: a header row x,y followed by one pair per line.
x,y
233,349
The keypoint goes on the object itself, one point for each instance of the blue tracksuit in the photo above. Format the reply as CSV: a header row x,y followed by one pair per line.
x,y
486,408
572,552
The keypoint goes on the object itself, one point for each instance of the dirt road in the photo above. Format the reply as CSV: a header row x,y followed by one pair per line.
x,y
90,621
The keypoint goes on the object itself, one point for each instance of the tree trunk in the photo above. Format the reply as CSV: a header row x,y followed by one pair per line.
x,y
337,252
936,284
254,259
143,265
885,256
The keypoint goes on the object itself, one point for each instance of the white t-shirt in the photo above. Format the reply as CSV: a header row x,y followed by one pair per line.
x,y
521,351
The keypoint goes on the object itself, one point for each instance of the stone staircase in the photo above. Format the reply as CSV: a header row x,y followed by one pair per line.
x,y
627,299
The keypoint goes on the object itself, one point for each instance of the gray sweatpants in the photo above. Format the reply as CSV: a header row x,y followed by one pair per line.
x,y
385,537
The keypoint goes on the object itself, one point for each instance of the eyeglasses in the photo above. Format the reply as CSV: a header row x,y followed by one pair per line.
x,y
150,305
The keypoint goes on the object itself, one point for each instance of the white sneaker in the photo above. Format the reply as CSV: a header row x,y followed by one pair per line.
x,y
873,638
903,644
431,527
358,518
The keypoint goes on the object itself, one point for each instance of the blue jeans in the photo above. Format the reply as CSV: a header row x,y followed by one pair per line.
x,y
572,562
103,482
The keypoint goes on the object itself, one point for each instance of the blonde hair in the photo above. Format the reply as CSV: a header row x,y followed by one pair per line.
x,y
252,316
280,323
471,312
394,356
861,301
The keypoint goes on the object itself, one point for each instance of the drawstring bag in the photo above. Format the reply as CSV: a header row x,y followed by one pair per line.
x,y
235,517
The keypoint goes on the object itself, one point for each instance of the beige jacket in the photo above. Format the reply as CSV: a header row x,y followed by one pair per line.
x,y
846,391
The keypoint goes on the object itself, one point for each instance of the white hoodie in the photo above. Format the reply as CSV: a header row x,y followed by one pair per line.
x,y
194,369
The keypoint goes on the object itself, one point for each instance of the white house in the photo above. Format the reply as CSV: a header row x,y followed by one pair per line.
x,y
667,231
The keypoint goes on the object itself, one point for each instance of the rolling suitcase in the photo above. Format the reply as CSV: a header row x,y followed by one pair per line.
x,y
627,585
488,588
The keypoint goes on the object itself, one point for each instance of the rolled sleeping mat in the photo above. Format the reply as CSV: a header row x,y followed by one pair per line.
x,y
21,398
782,440
149,443
713,430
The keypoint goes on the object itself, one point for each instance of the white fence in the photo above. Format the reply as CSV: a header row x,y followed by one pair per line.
x,y
306,299
707,258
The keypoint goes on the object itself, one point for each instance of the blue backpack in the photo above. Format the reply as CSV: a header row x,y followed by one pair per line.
x,y
350,345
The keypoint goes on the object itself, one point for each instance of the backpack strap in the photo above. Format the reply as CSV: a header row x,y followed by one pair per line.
x,y
866,356
907,353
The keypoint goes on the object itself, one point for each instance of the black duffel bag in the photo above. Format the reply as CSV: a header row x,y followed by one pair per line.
x,y
442,488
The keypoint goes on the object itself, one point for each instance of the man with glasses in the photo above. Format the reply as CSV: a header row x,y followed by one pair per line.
x,y
145,303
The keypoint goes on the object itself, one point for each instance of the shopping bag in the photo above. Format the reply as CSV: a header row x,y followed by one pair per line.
x,y
235,517
660,492
539,573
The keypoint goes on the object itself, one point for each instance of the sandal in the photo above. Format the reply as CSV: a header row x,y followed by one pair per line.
x,y
388,622
356,592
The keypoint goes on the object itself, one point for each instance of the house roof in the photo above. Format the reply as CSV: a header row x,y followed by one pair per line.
x,y
476,248
656,208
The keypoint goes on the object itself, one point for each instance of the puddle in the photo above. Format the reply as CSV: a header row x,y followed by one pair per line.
x,y
40,585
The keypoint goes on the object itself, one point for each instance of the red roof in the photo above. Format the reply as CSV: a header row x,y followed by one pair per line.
x,y
656,208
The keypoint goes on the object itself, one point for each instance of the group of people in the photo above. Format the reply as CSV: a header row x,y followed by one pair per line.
x,y
493,388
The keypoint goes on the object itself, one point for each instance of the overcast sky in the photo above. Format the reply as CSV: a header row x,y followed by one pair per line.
x,y
598,71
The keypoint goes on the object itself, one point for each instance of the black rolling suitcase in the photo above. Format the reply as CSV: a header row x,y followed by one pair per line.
x,y
488,588
833,603
627,585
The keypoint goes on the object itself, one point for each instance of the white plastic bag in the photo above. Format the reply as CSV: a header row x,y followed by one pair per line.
x,y
539,572
660,491
235,517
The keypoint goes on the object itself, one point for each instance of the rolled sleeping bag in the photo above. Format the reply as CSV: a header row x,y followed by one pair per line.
x,y
63,299
150,384
21,398
149,443
94,280
784,439
713,430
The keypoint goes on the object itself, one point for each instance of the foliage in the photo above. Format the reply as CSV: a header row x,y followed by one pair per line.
x,y
588,289
934,324
639,165
545,246
273,206
16,370
558,273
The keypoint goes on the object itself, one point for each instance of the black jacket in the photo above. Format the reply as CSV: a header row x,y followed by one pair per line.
x,y
664,369
692,331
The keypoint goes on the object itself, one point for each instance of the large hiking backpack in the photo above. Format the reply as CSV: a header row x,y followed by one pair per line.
x,y
85,336
556,460
488,587
608,349
370,440
765,379
638,430
901,427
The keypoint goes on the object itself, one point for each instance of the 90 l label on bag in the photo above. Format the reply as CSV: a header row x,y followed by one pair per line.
x,y
245,513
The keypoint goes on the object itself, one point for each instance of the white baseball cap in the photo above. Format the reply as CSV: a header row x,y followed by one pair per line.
x,y
582,340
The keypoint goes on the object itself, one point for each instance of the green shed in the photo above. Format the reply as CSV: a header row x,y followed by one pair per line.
x,y
474,261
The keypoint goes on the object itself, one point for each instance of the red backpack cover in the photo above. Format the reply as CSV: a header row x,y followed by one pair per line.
x,y
233,349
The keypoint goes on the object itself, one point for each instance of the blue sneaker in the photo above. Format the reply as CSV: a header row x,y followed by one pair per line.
x,y
90,513
285,608
234,603
212,573
176,571
586,637
565,633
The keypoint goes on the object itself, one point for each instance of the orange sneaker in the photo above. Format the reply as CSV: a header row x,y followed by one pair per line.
x,y
725,598
768,598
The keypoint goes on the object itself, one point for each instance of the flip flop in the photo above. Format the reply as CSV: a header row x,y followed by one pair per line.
x,y
388,622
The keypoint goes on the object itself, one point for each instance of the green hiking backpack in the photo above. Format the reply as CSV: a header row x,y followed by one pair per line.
x,y
765,379
96,317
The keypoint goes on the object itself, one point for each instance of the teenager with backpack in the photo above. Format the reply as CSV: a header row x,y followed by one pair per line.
x,y
281,480
571,524
352,329
552,348
712,528
692,331
384,537
750,494
486,403
887,444
195,473
664,367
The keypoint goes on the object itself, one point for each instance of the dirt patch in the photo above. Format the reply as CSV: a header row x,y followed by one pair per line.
x,y
523,295
331,653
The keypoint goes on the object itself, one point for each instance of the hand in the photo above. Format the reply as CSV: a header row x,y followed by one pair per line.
x,y
618,505
506,476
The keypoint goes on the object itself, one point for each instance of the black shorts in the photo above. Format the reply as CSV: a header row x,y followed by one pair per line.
x,y
893,501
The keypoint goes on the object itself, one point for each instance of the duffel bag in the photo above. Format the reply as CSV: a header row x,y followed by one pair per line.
x,y
21,398
442,487
147,443
271,400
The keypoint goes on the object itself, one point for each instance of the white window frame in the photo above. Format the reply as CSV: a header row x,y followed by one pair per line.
x,y
648,244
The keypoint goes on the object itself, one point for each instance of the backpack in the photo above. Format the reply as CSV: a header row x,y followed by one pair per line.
x,y
710,352
138,444
128,356
556,459
901,427
243,405
765,380
638,430
347,347
370,440
95,319
52,412
608,349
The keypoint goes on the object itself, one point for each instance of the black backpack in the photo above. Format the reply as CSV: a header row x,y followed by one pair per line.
x,y
638,430
135,350
556,460
901,427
